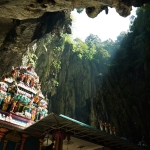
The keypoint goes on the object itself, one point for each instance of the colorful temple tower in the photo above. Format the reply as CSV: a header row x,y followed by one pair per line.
x,y
21,105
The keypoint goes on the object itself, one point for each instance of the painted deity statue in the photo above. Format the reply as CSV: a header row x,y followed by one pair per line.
x,y
110,128
13,72
42,104
2,97
33,114
36,98
101,125
22,77
32,83
106,127
6,102
28,79
114,130
28,108
42,113
14,104
39,87
38,113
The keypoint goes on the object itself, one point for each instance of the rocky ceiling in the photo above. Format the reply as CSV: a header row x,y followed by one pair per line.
x,y
25,9
22,22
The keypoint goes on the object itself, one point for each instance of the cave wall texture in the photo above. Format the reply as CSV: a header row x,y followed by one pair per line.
x,y
81,93
36,8
89,92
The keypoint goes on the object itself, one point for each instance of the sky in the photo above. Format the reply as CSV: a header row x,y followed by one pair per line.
x,y
104,26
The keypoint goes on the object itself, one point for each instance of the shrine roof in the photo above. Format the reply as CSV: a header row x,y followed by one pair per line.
x,y
79,130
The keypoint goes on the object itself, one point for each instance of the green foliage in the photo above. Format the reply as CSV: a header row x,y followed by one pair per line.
x,y
93,39
30,57
121,37
67,39
101,50
55,83
49,52
101,56
134,46
80,48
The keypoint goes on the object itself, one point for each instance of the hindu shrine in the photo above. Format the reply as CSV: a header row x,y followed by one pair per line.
x,y
21,100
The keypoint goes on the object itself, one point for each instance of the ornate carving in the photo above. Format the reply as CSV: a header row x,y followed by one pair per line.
x,y
13,136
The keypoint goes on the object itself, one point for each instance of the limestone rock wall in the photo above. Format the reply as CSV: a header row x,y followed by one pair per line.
x,y
36,8
22,22
90,92
18,35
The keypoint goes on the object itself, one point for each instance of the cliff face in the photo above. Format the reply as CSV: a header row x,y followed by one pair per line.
x,y
90,92
18,36
24,22
123,101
